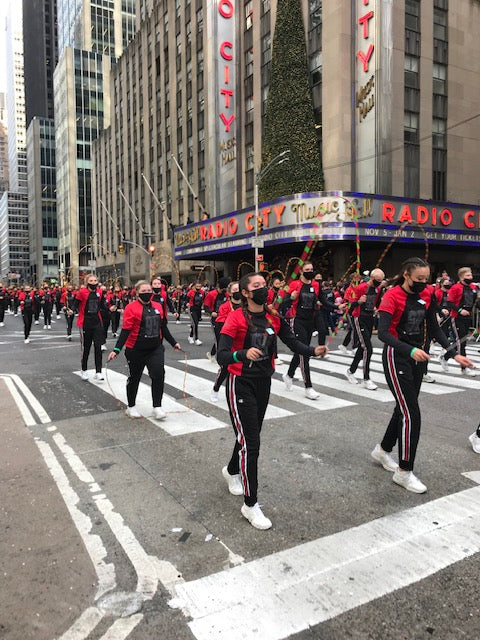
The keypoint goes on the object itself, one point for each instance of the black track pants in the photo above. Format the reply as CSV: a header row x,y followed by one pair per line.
x,y
94,336
303,331
154,360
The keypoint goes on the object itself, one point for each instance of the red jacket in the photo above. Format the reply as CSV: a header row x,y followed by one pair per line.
x,y
132,319
22,296
191,296
225,310
359,291
296,285
456,297
82,297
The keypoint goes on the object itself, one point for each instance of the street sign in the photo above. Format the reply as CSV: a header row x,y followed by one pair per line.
x,y
260,257
258,243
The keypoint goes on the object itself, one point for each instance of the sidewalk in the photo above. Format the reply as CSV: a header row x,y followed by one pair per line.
x,y
46,577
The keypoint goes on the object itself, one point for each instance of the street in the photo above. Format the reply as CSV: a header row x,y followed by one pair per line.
x,y
114,528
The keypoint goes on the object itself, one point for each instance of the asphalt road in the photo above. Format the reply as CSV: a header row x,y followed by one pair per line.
x,y
113,528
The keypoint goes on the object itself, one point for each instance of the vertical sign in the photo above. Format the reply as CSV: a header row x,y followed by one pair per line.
x,y
365,92
226,115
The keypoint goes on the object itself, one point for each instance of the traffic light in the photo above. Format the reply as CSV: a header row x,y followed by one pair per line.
x,y
151,248
259,224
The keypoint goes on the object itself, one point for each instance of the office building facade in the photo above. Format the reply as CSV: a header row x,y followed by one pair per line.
x,y
393,95
3,146
14,241
91,35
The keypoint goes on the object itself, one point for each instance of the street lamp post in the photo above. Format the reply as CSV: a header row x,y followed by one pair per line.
x,y
259,175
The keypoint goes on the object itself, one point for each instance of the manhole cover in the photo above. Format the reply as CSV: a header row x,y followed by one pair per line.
x,y
120,604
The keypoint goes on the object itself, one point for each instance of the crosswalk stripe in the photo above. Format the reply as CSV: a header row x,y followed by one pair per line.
x,y
324,403
201,388
433,367
329,365
337,384
180,419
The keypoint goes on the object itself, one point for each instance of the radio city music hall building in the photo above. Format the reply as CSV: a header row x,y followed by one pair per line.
x,y
394,94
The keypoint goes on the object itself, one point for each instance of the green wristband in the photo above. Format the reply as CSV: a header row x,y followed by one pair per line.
x,y
413,351
235,357
116,349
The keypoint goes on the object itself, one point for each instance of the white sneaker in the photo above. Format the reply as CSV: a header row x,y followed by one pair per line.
x,y
36,322
475,442
58,317
49,326
428,378
2,324
84,375
177,322
255,516
27,340
209,356
278,361
342,348
469,372
214,396
99,377
409,481
369,384
191,340
288,381
444,364
159,413
103,347
198,342
114,335
132,412
234,483
350,377
314,334
44,326
384,458
311,394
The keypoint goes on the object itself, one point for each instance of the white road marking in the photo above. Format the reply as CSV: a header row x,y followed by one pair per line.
x,y
329,365
34,403
201,388
84,625
324,403
180,418
22,407
287,592
122,627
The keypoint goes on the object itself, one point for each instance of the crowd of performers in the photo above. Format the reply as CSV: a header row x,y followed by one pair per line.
x,y
248,317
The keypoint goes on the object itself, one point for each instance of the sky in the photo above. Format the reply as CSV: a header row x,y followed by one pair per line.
x,y
3,13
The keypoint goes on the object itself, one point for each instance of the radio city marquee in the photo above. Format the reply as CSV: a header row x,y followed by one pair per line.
x,y
332,216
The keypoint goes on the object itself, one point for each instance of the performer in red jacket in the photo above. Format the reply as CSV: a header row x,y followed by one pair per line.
x,y
248,346
144,327
88,302
25,298
461,299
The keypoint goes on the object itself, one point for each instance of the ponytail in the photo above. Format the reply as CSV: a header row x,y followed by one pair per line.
x,y
408,266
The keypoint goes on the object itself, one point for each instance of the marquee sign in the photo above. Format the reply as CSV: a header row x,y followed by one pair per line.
x,y
291,219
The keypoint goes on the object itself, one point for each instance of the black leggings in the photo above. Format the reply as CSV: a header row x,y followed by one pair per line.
x,y
96,336
137,360
27,322
404,377
247,401
195,315
3,306
115,321
303,331
69,318
461,329
47,313
363,329
321,325
348,335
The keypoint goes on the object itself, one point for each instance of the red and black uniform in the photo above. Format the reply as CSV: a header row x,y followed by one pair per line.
x,y
223,312
195,303
362,316
144,326
162,298
212,303
48,298
3,303
303,309
115,300
461,297
349,298
323,312
58,300
26,307
404,320
67,302
88,303
248,387
37,304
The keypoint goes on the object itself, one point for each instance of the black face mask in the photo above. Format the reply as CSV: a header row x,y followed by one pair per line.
x,y
308,275
259,296
376,283
91,286
468,280
236,295
418,287
156,289
447,286
145,297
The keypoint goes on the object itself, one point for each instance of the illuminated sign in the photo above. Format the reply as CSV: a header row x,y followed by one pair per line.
x,y
290,219
365,92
